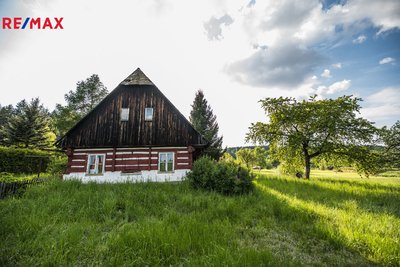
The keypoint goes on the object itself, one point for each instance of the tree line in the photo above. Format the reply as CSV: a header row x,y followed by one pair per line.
x,y
29,124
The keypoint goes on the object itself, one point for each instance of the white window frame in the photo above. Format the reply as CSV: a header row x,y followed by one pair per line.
x,y
145,114
124,116
96,164
166,164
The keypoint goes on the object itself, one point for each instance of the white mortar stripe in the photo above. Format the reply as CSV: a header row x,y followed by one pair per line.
x,y
78,160
133,159
80,154
135,165
183,163
92,149
182,152
183,157
133,148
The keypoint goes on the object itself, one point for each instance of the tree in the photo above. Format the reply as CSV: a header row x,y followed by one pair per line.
x,y
260,155
247,157
30,126
6,113
299,131
87,95
205,122
391,139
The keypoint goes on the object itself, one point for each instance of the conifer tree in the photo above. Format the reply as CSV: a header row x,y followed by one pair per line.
x,y
6,112
29,127
205,122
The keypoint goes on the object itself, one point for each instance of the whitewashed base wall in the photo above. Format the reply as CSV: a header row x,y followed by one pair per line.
x,y
118,177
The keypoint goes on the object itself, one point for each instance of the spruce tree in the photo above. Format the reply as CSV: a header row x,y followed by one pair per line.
x,y
29,127
205,122
6,112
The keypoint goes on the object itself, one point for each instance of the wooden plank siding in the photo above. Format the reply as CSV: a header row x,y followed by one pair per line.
x,y
128,159
102,127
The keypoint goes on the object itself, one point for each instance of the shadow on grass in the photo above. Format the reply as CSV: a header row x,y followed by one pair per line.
x,y
364,183
293,232
387,202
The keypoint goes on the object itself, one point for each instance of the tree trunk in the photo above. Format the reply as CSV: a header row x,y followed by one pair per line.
x,y
308,166
307,160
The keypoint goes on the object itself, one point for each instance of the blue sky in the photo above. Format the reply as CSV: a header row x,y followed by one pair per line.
x,y
236,51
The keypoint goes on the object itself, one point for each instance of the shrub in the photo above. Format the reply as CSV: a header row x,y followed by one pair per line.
x,y
57,165
225,177
23,160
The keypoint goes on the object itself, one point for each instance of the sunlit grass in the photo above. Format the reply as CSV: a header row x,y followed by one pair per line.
x,y
331,221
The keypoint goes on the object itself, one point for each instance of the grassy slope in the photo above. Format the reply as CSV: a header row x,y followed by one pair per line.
x,y
284,222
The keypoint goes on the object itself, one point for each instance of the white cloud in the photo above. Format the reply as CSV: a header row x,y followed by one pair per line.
x,y
286,66
386,60
333,88
326,73
303,25
383,106
213,26
337,65
360,39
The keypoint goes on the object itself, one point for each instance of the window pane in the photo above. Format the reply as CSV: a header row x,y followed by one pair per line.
x,y
92,164
170,167
162,167
100,163
124,114
170,158
148,114
162,159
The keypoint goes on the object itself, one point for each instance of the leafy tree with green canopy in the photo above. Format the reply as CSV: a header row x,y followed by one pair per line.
x,y
299,131
391,139
29,127
247,157
205,122
87,95
260,155
227,157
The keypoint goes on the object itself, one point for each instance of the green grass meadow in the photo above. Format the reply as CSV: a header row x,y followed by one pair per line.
x,y
335,219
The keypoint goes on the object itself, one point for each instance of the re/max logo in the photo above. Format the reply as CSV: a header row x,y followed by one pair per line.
x,y
31,23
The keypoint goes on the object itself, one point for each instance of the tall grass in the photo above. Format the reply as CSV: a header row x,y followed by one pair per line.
x,y
283,222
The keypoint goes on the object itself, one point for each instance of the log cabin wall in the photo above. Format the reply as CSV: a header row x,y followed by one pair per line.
x,y
129,160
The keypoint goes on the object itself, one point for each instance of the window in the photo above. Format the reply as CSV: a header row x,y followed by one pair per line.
x,y
95,164
148,114
166,162
124,114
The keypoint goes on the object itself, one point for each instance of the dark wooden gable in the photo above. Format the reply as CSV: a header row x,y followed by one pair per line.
x,y
102,127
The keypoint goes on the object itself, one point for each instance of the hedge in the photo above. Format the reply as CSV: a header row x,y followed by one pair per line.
x,y
23,160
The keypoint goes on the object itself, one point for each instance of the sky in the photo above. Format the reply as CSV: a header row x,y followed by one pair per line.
x,y
237,52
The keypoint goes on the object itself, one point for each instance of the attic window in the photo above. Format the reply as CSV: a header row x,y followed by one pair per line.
x,y
124,114
148,114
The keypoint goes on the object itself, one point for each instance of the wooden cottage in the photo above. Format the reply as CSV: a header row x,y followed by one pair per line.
x,y
134,134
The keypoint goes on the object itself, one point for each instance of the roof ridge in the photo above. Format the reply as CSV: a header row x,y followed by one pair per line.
x,y
137,78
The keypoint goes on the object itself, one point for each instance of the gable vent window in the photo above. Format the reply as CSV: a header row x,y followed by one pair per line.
x,y
124,114
148,114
